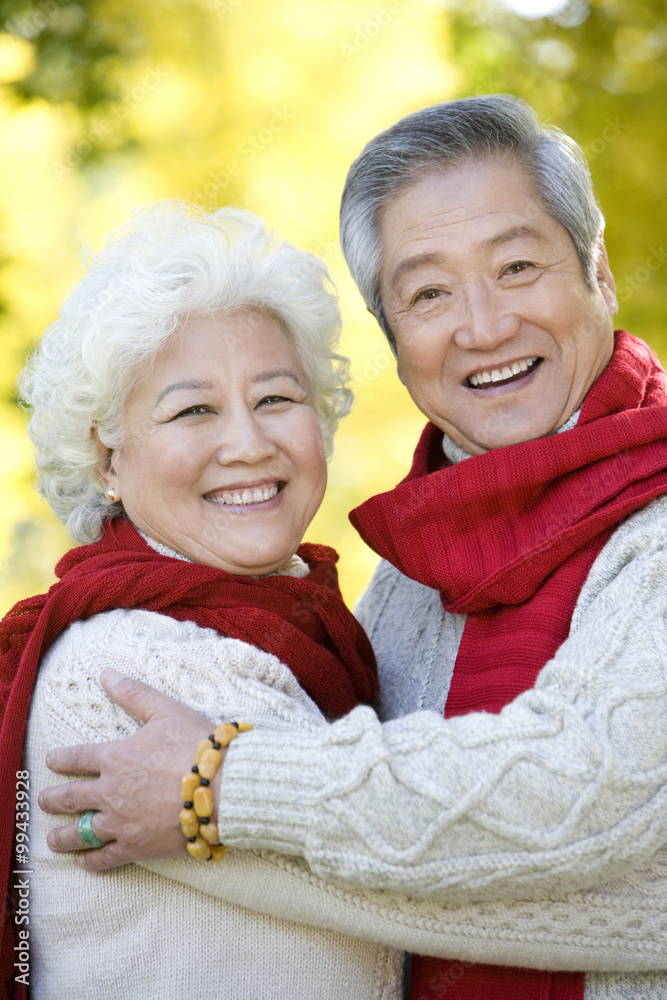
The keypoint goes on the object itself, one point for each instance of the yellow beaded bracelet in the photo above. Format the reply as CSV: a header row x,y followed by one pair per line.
x,y
195,816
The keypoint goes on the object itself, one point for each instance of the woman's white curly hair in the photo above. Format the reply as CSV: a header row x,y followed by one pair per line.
x,y
170,261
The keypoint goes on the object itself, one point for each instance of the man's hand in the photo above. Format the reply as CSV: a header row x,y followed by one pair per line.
x,y
136,781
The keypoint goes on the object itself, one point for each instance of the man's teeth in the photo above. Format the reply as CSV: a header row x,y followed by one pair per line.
x,y
500,374
248,496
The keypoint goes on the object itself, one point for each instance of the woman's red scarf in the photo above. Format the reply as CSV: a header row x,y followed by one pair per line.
x,y
509,538
304,622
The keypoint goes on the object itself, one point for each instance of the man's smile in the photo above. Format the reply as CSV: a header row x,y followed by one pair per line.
x,y
511,372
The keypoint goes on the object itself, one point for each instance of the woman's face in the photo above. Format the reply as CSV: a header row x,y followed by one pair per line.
x,y
223,458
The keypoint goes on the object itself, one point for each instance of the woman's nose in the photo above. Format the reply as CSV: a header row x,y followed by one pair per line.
x,y
484,320
243,439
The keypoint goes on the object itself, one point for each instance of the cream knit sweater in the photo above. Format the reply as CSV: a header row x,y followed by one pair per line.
x,y
298,780
561,799
131,932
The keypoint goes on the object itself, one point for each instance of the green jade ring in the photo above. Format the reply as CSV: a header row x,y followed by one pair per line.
x,y
85,828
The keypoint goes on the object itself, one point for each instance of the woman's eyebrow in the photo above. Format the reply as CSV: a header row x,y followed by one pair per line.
x,y
176,386
276,373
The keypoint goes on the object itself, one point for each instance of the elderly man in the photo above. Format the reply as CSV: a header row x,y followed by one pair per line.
x,y
521,594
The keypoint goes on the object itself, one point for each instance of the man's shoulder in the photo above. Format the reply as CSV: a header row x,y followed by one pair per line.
x,y
387,586
634,558
643,533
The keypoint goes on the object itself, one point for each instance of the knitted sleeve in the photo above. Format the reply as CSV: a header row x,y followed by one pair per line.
x,y
563,790
219,677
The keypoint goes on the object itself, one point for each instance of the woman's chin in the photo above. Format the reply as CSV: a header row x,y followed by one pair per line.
x,y
251,562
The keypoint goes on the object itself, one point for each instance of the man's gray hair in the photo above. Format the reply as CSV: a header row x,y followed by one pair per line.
x,y
447,135
170,262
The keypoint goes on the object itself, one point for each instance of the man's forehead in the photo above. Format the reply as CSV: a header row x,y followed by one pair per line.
x,y
462,193
477,206
416,254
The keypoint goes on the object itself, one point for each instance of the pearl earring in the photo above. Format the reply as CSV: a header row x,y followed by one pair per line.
x,y
111,495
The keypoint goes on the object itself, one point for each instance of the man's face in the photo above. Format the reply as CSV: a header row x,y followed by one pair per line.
x,y
498,336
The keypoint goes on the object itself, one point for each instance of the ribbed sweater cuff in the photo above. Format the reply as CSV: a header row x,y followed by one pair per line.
x,y
271,791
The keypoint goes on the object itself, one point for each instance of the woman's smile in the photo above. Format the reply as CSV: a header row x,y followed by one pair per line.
x,y
257,496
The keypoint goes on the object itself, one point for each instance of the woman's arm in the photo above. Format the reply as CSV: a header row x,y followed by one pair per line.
x,y
215,678
611,929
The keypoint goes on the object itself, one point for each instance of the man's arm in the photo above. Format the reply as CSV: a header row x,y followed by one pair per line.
x,y
583,930
564,789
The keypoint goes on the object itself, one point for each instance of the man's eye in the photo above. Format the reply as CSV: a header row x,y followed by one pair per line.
x,y
518,266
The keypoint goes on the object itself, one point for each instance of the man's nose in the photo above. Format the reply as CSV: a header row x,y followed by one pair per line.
x,y
243,438
483,319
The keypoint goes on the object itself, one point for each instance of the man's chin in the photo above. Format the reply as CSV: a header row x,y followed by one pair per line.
x,y
494,438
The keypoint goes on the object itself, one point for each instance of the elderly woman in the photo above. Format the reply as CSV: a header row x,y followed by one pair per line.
x,y
522,592
182,407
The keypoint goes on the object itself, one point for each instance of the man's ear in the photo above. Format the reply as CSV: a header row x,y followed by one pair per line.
x,y
605,280
106,473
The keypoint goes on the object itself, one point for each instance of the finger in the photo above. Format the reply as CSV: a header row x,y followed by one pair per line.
x,y
110,856
84,759
77,796
140,700
68,838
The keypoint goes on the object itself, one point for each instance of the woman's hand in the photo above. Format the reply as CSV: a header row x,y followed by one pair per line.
x,y
136,781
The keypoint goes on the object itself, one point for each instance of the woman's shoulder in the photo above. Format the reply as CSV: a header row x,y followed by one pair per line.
x,y
217,675
126,625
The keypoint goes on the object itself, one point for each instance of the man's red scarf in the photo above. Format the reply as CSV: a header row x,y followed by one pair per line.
x,y
509,538
304,622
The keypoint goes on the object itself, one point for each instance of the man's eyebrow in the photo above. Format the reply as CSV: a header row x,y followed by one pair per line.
x,y
515,233
178,386
411,264
276,373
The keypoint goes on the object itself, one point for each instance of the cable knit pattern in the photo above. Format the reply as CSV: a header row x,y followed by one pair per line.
x,y
564,790
131,932
620,929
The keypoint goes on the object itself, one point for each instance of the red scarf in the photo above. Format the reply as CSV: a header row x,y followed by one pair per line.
x,y
509,538
304,622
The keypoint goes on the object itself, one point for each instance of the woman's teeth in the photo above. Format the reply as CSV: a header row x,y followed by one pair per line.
x,y
239,498
502,374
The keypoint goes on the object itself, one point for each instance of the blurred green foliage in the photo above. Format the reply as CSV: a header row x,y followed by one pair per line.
x,y
108,103
75,45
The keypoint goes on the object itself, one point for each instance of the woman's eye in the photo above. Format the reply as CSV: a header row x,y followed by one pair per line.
x,y
193,411
268,400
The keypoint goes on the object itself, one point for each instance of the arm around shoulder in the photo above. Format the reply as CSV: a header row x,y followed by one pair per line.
x,y
564,790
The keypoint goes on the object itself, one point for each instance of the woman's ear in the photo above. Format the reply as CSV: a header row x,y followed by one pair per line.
x,y
605,280
106,473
